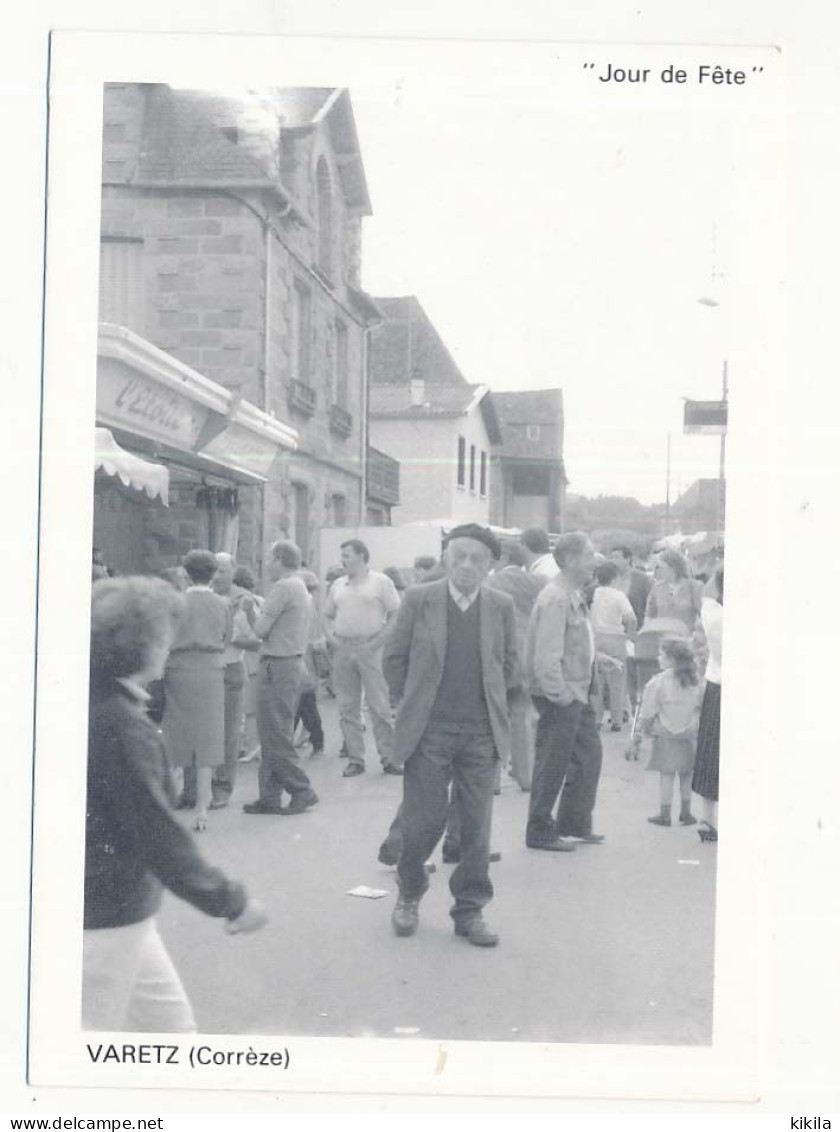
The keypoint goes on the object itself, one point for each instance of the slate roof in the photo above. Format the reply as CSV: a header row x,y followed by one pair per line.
x,y
532,406
408,346
184,139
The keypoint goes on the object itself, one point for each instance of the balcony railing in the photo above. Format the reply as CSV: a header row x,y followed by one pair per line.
x,y
302,397
341,421
383,477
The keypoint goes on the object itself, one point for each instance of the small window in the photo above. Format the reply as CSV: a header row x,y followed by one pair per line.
x,y
472,467
231,133
532,431
462,462
483,474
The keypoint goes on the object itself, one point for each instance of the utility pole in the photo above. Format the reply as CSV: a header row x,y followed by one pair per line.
x,y
668,488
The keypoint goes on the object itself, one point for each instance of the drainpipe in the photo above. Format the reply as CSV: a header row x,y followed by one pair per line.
x,y
266,359
363,431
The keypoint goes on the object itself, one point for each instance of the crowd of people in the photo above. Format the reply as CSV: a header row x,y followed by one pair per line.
x,y
499,654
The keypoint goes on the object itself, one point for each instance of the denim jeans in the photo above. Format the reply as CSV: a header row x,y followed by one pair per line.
x,y
468,761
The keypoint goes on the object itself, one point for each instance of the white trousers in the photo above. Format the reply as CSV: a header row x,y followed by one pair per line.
x,y
130,983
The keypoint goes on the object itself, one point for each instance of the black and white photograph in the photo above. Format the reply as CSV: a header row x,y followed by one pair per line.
x,y
411,427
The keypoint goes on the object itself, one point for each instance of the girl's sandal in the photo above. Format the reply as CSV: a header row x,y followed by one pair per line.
x,y
199,825
707,832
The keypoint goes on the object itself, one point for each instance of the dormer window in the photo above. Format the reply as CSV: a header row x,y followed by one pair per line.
x,y
325,219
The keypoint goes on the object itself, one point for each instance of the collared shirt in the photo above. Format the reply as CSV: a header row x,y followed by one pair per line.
x,y
559,647
463,601
361,608
283,621
545,565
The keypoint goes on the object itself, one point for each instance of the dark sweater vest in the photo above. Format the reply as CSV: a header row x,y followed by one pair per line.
x,y
460,703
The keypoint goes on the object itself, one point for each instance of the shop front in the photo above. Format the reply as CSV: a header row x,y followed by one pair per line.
x,y
180,460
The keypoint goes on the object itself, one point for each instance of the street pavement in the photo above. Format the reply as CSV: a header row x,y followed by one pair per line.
x,y
610,944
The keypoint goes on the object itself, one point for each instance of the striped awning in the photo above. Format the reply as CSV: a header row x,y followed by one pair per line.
x,y
131,470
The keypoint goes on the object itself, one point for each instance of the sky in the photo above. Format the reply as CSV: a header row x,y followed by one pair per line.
x,y
559,246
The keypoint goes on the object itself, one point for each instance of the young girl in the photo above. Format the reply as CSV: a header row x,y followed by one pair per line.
x,y
670,712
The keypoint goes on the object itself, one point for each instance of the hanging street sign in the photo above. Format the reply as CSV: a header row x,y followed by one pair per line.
x,y
705,418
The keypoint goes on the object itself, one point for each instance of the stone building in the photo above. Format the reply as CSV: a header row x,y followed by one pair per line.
x,y
423,411
528,476
231,242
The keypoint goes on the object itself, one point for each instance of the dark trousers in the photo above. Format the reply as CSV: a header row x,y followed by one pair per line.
x,y
393,843
567,758
468,761
308,714
224,776
277,699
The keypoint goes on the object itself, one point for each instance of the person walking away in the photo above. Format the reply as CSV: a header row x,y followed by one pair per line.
x,y
243,614
134,847
451,662
706,767
307,711
540,560
670,711
560,670
512,577
194,694
359,609
613,622
283,626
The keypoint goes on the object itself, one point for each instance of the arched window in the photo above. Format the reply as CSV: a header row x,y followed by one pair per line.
x,y
325,218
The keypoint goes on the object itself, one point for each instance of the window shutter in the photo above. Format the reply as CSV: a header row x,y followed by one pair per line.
x,y
122,292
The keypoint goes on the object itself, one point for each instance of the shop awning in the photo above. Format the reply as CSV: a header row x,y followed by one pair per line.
x,y
134,472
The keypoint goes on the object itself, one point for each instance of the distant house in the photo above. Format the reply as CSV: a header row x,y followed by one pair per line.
x,y
528,476
424,412
697,509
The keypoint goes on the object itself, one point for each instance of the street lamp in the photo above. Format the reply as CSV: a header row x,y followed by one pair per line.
x,y
707,301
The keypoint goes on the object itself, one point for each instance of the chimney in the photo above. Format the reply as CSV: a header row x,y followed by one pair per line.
x,y
417,392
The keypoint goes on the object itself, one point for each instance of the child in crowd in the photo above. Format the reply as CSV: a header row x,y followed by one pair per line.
x,y
670,712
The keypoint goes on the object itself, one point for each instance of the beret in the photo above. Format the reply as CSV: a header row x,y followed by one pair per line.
x,y
480,534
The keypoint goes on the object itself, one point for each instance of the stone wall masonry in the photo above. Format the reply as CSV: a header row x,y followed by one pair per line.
x,y
122,112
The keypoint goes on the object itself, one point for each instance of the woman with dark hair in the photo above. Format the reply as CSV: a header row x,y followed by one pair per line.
x,y
705,781
134,845
674,595
194,715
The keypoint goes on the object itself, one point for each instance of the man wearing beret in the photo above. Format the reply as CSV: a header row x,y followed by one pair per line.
x,y
450,663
